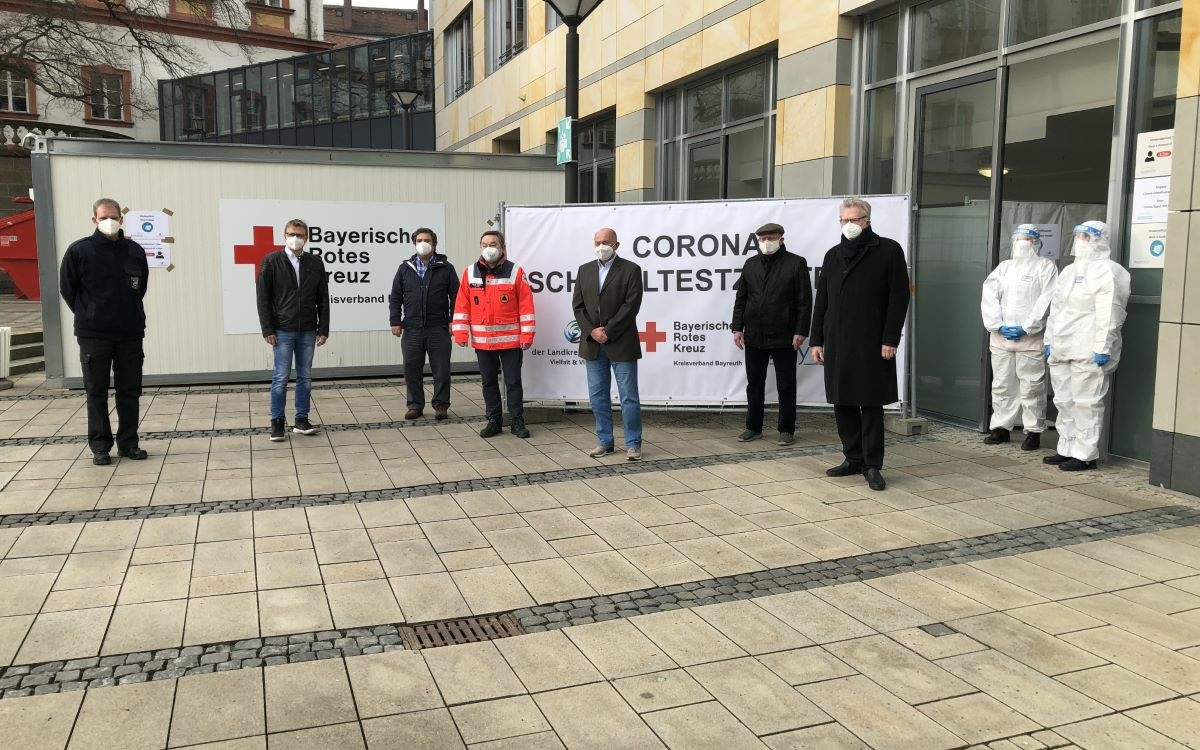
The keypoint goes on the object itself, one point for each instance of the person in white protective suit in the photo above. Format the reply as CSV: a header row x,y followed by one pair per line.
x,y
1083,344
1015,301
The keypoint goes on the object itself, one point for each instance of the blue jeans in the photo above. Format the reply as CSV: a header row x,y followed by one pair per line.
x,y
288,344
599,378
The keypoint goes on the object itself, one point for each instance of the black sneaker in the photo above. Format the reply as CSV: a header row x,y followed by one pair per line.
x,y
135,454
1075,464
785,438
304,427
277,428
997,436
101,459
749,435
518,428
491,429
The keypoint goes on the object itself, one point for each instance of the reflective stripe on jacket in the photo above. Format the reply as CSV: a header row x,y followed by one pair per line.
x,y
494,308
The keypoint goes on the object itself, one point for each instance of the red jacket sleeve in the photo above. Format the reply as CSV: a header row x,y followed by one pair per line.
x,y
460,325
525,306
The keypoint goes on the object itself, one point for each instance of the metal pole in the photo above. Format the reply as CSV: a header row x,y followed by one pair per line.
x,y
408,127
571,171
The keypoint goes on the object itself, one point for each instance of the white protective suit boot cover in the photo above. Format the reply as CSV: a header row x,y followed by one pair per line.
x,y
1018,389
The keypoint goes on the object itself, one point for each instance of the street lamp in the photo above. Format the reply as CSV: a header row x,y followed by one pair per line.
x,y
572,12
406,98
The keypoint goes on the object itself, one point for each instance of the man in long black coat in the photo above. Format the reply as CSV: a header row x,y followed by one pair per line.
x,y
771,313
858,318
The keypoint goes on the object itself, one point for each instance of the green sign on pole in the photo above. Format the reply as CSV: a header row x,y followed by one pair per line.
x,y
565,152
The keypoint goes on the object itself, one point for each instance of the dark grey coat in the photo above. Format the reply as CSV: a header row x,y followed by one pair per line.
x,y
860,307
773,302
615,307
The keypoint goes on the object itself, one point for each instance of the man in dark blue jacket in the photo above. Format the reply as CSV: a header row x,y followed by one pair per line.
x,y
103,280
421,304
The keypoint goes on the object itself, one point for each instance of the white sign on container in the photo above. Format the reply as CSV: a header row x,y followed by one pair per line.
x,y
362,244
149,229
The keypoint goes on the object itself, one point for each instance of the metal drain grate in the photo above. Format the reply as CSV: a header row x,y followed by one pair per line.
x,y
466,630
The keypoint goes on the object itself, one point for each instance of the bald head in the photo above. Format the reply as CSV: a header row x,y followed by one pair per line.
x,y
605,236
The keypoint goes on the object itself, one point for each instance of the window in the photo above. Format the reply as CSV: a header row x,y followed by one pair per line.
x,y
15,95
270,3
505,31
1033,19
107,95
716,136
596,148
946,31
553,20
458,56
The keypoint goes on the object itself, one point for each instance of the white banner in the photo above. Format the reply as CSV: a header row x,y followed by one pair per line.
x,y
691,254
362,244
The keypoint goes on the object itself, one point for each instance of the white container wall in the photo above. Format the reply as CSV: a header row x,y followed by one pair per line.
x,y
191,306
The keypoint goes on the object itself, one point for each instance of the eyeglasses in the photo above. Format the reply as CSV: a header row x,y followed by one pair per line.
x,y
291,234
489,244
855,220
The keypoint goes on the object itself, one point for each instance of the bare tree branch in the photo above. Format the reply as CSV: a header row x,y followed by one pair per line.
x,y
53,42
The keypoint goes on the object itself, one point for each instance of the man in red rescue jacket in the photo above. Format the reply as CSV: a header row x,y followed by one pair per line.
x,y
495,307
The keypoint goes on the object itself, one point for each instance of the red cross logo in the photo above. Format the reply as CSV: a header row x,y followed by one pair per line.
x,y
652,337
264,244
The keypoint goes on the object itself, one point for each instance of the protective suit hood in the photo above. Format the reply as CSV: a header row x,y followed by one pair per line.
x,y
1091,242
1026,242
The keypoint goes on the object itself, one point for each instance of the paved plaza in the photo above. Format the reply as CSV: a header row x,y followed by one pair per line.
x,y
234,593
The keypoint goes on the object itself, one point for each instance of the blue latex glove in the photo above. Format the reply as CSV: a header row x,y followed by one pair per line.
x,y
1100,359
1046,351
1012,333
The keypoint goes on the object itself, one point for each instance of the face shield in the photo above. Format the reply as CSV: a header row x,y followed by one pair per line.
x,y
1026,242
1090,241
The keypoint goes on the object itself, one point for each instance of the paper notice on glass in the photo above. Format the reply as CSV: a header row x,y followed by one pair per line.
x,y
1147,245
1150,198
151,230
1152,157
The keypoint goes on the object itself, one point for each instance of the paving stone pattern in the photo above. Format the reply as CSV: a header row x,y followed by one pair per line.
x,y
423,490
120,669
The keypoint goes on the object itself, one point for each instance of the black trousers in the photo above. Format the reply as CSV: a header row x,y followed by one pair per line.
x,y
416,344
861,431
490,363
123,358
756,386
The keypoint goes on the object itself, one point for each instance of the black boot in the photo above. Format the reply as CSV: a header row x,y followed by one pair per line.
x,y
518,428
997,436
1032,441
491,429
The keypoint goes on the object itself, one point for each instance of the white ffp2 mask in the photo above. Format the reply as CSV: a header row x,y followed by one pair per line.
x,y
769,247
295,244
109,227
605,252
490,255
424,249
851,231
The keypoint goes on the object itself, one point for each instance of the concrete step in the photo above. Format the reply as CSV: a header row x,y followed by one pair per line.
x,y
27,351
33,364
26,337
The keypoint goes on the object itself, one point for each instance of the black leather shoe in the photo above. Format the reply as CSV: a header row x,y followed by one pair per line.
x,y
101,459
875,480
134,454
845,469
1054,459
1076,465
491,429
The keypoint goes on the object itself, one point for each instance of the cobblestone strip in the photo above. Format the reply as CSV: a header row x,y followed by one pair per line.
x,y
103,671
422,490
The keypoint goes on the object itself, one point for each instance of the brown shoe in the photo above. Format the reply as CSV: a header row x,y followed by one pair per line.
x,y
439,412
412,414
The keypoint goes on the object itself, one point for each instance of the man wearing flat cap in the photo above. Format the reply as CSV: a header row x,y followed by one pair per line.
x,y
771,314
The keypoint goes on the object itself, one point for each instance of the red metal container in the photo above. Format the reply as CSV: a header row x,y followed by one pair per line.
x,y
18,253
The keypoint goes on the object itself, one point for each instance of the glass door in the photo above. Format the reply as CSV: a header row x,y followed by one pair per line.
x,y
952,184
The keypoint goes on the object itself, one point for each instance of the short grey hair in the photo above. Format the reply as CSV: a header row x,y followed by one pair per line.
x,y
858,203
105,202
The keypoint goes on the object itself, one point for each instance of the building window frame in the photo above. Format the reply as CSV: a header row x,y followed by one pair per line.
x,y
11,83
676,138
458,56
589,135
553,20
507,31
110,89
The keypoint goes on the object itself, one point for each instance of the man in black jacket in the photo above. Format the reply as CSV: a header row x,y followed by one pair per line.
x,y
421,304
103,280
293,311
771,313
862,298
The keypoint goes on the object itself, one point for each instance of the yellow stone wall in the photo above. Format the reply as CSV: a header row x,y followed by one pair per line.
x,y
811,125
